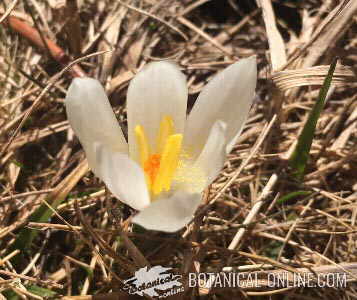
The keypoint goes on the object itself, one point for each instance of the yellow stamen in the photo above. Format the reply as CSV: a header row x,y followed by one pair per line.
x,y
159,167
168,163
166,129
144,147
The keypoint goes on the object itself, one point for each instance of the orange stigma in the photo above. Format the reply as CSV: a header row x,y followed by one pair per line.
x,y
159,164
152,166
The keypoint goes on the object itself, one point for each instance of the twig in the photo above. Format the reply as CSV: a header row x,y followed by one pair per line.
x,y
36,280
184,36
200,32
53,80
276,43
8,11
253,212
34,37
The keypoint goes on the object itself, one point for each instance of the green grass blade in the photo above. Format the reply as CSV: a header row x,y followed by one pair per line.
x,y
26,235
299,158
292,195
41,215
40,291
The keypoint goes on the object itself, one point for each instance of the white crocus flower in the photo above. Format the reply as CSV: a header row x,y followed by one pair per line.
x,y
169,159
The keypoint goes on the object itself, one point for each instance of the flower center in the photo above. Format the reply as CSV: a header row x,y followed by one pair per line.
x,y
152,166
159,166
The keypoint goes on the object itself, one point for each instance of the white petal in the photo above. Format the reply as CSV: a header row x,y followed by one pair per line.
x,y
123,177
169,214
212,158
92,119
194,176
227,97
159,89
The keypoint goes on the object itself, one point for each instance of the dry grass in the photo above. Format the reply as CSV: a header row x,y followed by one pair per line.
x,y
89,245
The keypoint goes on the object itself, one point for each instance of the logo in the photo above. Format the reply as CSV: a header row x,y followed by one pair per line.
x,y
157,281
